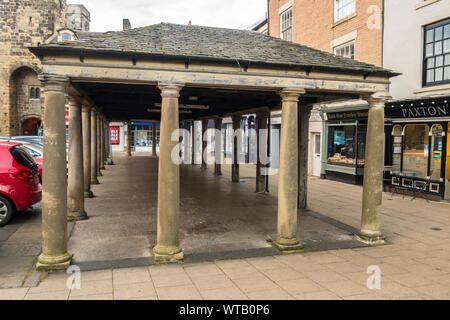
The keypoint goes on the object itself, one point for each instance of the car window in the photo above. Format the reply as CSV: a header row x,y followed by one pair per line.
x,y
21,156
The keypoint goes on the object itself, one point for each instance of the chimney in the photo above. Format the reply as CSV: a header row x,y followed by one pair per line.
x,y
126,24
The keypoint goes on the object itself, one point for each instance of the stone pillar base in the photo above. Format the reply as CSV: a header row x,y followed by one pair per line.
x,y
76,216
110,162
53,263
99,174
95,181
164,254
288,245
88,194
370,237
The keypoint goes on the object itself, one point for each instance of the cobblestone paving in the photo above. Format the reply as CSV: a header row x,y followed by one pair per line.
x,y
414,265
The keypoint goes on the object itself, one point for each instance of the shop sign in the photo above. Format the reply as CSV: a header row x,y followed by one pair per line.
x,y
428,110
114,135
347,115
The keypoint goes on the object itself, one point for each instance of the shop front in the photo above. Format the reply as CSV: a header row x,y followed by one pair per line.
x,y
417,149
344,143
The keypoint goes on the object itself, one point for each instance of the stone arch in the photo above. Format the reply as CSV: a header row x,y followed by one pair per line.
x,y
23,105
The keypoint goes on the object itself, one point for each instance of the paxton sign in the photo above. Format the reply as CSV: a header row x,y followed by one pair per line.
x,y
419,110
347,115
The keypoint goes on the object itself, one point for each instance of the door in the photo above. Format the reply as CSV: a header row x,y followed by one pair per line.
x,y
316,154
447,171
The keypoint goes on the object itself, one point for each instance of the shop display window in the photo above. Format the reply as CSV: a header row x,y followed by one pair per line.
x,y
341,145
361,145
416,150
437,142
397,148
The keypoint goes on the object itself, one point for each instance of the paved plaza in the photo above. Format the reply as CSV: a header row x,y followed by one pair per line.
x,y
415,264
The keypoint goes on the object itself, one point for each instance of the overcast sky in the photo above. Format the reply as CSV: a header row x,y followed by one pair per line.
x,y
107,15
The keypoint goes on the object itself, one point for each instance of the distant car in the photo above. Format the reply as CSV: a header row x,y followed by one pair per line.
x,y
19,180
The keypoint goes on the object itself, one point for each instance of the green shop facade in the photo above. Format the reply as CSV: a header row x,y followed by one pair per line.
x,y
344,142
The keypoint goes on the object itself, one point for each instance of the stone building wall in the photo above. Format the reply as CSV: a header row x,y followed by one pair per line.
x,y
314,26
23,24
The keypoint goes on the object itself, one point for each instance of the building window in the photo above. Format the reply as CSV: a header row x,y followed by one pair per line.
x,y
437,54
343,8
35,93
415,150
66,37
346,50
286,25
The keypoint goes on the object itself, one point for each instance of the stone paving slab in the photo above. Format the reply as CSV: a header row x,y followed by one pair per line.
x,y
414,265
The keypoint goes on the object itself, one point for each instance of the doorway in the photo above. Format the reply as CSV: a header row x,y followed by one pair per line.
x,y
316,154
447,170
30,127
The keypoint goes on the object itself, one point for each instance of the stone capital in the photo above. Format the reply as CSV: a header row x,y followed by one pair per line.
x,y
86,106
170,90
236,118
74,101
54,83
291,94
377,99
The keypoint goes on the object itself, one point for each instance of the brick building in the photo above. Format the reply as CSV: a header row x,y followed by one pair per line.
x,y
348,28
343,27
24,24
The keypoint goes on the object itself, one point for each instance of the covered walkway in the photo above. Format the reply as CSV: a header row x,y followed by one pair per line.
x,y
218,219
180,76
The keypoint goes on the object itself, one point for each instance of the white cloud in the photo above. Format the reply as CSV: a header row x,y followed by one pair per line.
x,y
107,15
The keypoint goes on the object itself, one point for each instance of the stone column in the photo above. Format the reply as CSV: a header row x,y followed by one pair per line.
x,y
94,179
204,144
193,142
261,178
235,166
75,187
168,247
128,150
187,141
288,173
110,160
54,254
100,144
154,139
218,148
303,147
373,170
86,127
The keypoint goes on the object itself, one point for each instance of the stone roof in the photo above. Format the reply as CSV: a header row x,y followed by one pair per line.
x,y
207,43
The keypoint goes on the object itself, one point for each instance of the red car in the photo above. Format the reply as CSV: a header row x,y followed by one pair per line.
x,y
19,180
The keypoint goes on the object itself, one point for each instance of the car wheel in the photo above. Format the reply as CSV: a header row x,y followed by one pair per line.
x,y
6,210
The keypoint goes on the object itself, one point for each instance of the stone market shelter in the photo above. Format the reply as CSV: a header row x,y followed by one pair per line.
x,y
177,74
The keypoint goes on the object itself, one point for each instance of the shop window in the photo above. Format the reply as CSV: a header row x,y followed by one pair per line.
x,y
437,140
437,54
343,9
341,145
397,148
415,151
286,25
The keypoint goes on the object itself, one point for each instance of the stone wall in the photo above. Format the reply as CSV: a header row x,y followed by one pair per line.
x,y
23,24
